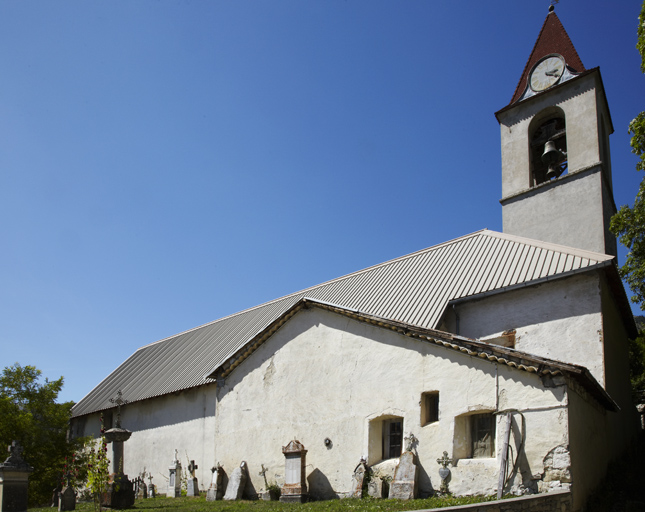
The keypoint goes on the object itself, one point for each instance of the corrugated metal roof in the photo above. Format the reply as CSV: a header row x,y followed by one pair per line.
x,y
413,289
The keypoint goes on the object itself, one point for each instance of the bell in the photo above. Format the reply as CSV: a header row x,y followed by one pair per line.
x,y
551,154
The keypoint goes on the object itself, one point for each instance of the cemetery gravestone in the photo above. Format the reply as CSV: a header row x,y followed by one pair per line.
x,y
403,486
151,488
295,478
174,482
237,482
216,489
358,479
67,497
192,489
14,477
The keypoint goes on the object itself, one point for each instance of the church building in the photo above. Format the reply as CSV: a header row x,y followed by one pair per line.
x,y
444,350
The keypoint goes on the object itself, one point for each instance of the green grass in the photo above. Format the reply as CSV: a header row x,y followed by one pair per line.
x,y
365,505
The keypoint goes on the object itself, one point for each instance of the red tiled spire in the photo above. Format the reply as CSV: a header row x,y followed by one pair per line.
x,y
552,39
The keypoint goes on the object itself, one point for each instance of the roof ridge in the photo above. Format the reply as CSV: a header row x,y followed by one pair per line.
x,y
324,283
583,253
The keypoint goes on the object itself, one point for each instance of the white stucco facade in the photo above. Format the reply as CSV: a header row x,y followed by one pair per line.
x,y
560,320
184,421
324,376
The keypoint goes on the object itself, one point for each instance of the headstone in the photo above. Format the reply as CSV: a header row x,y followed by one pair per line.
x,y
142,489
67,500
358,479
376,488
120,492
14,477
55,496
403,486
151,488
216,489
174,482
192,488
444,472
236,483
295,475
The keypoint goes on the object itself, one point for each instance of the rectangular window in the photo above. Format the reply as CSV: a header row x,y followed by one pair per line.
x,y
392,438
429,407
482,435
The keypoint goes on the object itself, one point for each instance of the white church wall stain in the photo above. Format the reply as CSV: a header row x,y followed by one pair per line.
x,y
325,376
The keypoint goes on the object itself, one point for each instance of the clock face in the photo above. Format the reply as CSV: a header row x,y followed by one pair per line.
x,y
546,73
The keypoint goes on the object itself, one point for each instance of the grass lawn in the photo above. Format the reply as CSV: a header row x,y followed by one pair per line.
x,y
201,505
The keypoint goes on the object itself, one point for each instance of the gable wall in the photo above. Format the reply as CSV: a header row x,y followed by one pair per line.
x,y
326,376
560,319
183,421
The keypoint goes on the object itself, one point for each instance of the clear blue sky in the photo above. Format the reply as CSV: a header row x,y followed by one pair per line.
x,y
166,163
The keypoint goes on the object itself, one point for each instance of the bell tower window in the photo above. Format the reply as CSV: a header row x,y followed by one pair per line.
x,y
548,148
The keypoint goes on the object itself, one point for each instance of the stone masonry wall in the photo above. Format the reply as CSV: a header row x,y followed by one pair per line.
x,y
557,501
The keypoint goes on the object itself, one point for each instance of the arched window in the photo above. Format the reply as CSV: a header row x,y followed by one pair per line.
x,y
548,146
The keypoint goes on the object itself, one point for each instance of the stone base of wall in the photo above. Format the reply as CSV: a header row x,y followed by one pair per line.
x,y
556,501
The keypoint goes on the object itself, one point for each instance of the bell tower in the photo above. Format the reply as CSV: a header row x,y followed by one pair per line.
x,y
556,168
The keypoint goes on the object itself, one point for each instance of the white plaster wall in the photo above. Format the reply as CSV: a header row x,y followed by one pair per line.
x,y
560,319
590,445
184,421
326,376
579,102
569,211
625,424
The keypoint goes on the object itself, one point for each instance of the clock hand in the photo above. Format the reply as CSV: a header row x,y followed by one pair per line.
x,y
553,72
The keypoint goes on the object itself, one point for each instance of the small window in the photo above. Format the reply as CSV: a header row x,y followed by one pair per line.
x,y
429,407
482,436
392,438
474,436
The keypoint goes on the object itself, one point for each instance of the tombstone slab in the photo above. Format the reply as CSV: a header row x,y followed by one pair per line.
x,y
358,478
295,474
404,484
192,487
174,480
376,489
237,482
216,489
14,479
67,499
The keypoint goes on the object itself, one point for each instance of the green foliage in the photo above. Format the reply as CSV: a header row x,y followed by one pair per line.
x,y
629,223
30,415
98,469
640,44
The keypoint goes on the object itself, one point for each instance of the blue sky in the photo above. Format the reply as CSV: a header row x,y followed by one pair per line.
x,y
166,163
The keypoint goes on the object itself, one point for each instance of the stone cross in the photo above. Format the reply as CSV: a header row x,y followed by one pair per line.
x,y
445,460
192,467
444,472
119,401
263,474
410,441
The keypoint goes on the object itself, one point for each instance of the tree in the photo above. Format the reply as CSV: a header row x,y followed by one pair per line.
x,y
629,223
30,415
